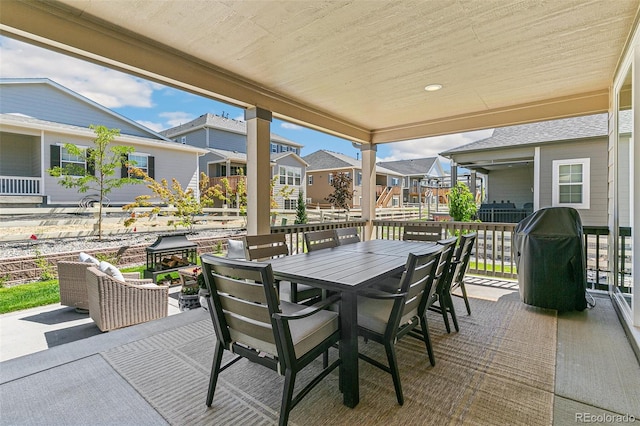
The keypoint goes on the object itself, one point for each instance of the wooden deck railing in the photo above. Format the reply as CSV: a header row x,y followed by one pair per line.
x,y
492,255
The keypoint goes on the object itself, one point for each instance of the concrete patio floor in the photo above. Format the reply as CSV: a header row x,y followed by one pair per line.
x,y
597,373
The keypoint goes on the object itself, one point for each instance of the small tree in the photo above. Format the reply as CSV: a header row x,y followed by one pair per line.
x,y
224,192
342,192
301,210
102,163
185,201
462,206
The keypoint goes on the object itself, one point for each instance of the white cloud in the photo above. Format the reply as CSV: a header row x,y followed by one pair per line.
x,y
152,125
177,118
290,126
430,147
107,87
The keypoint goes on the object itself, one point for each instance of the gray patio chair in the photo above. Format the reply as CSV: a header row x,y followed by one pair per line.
x,y
317,240
347,236
422,233
441,301
460,264
271,246
386,317
250,323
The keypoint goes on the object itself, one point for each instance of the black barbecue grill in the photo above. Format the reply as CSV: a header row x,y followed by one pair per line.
x,y
170,253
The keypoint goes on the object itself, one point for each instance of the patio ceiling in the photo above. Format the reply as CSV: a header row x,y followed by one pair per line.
x,y
352,68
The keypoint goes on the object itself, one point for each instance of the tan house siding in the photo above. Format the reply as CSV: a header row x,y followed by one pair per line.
x,y
596,151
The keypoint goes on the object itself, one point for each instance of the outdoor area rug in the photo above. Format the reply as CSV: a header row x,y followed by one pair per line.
x,y
499,369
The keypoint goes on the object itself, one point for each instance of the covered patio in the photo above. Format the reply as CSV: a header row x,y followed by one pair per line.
x,y
509,364
359,70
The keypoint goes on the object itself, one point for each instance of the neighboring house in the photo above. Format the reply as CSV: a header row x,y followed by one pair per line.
x,y
225,141
551,163
418,175
324,165
38,117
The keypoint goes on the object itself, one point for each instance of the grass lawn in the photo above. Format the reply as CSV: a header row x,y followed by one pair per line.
x,y
38,293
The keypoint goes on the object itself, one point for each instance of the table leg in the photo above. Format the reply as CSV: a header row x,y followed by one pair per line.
x,y
349,349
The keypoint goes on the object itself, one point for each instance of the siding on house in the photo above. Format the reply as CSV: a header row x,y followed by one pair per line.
x,y
596,150
517,182
62,107
19,155
196,138
179,165
227,140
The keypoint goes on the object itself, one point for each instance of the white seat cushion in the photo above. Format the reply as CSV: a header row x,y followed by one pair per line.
x,y
373,314
235,249
309,332
87,258
111,270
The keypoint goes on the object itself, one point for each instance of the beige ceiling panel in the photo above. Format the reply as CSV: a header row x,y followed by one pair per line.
x,y
356,68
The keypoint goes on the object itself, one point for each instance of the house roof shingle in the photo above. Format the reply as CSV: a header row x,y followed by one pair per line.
x,y
329,160
534,133
416,166
222,123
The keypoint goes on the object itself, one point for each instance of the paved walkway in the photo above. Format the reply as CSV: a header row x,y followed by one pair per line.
x,y
36,329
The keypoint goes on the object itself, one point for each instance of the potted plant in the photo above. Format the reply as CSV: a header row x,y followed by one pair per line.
x,y
188,297
203,291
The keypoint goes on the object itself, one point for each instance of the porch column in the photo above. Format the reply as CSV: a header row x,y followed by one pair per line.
x,y
454,173
368,188
472,183
258,170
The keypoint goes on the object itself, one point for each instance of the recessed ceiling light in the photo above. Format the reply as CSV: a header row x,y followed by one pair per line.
x,y
433,87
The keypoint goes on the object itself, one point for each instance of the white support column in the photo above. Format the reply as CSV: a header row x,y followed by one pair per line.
x,y
368,187
258,170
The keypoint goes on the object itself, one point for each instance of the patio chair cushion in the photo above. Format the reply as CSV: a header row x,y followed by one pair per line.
x,y
235,249
87,258
111,270
373,314
306,333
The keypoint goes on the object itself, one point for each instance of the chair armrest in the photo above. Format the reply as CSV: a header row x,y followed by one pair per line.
x,y
308,310
138,281
131,275
373,293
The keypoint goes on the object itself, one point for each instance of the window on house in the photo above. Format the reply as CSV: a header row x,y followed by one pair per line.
x,y
571,183
274,147
183,139
405,182
395,181
359,179
289,175
289,204
310,179
76,165
139,161
330,178
143,162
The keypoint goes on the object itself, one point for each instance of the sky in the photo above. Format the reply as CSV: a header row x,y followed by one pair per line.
x,y
159,107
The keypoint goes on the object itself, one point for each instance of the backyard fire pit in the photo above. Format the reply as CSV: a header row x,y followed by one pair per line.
x,y
170,253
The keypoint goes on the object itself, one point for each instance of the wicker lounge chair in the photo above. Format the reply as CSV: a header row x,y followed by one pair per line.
x,y
116,304
72,281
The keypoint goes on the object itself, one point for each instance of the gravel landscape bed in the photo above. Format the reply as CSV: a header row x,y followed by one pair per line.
x,y
15,249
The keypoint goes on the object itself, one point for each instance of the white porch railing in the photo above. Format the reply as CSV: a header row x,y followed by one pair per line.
x,y
20,185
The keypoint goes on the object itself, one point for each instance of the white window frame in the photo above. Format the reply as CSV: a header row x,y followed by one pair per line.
x,y
183,140
330,178
586,178
289,175
82,163
144,169
310,180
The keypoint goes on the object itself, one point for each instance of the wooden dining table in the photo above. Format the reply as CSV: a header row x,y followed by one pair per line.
x,y
349,269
